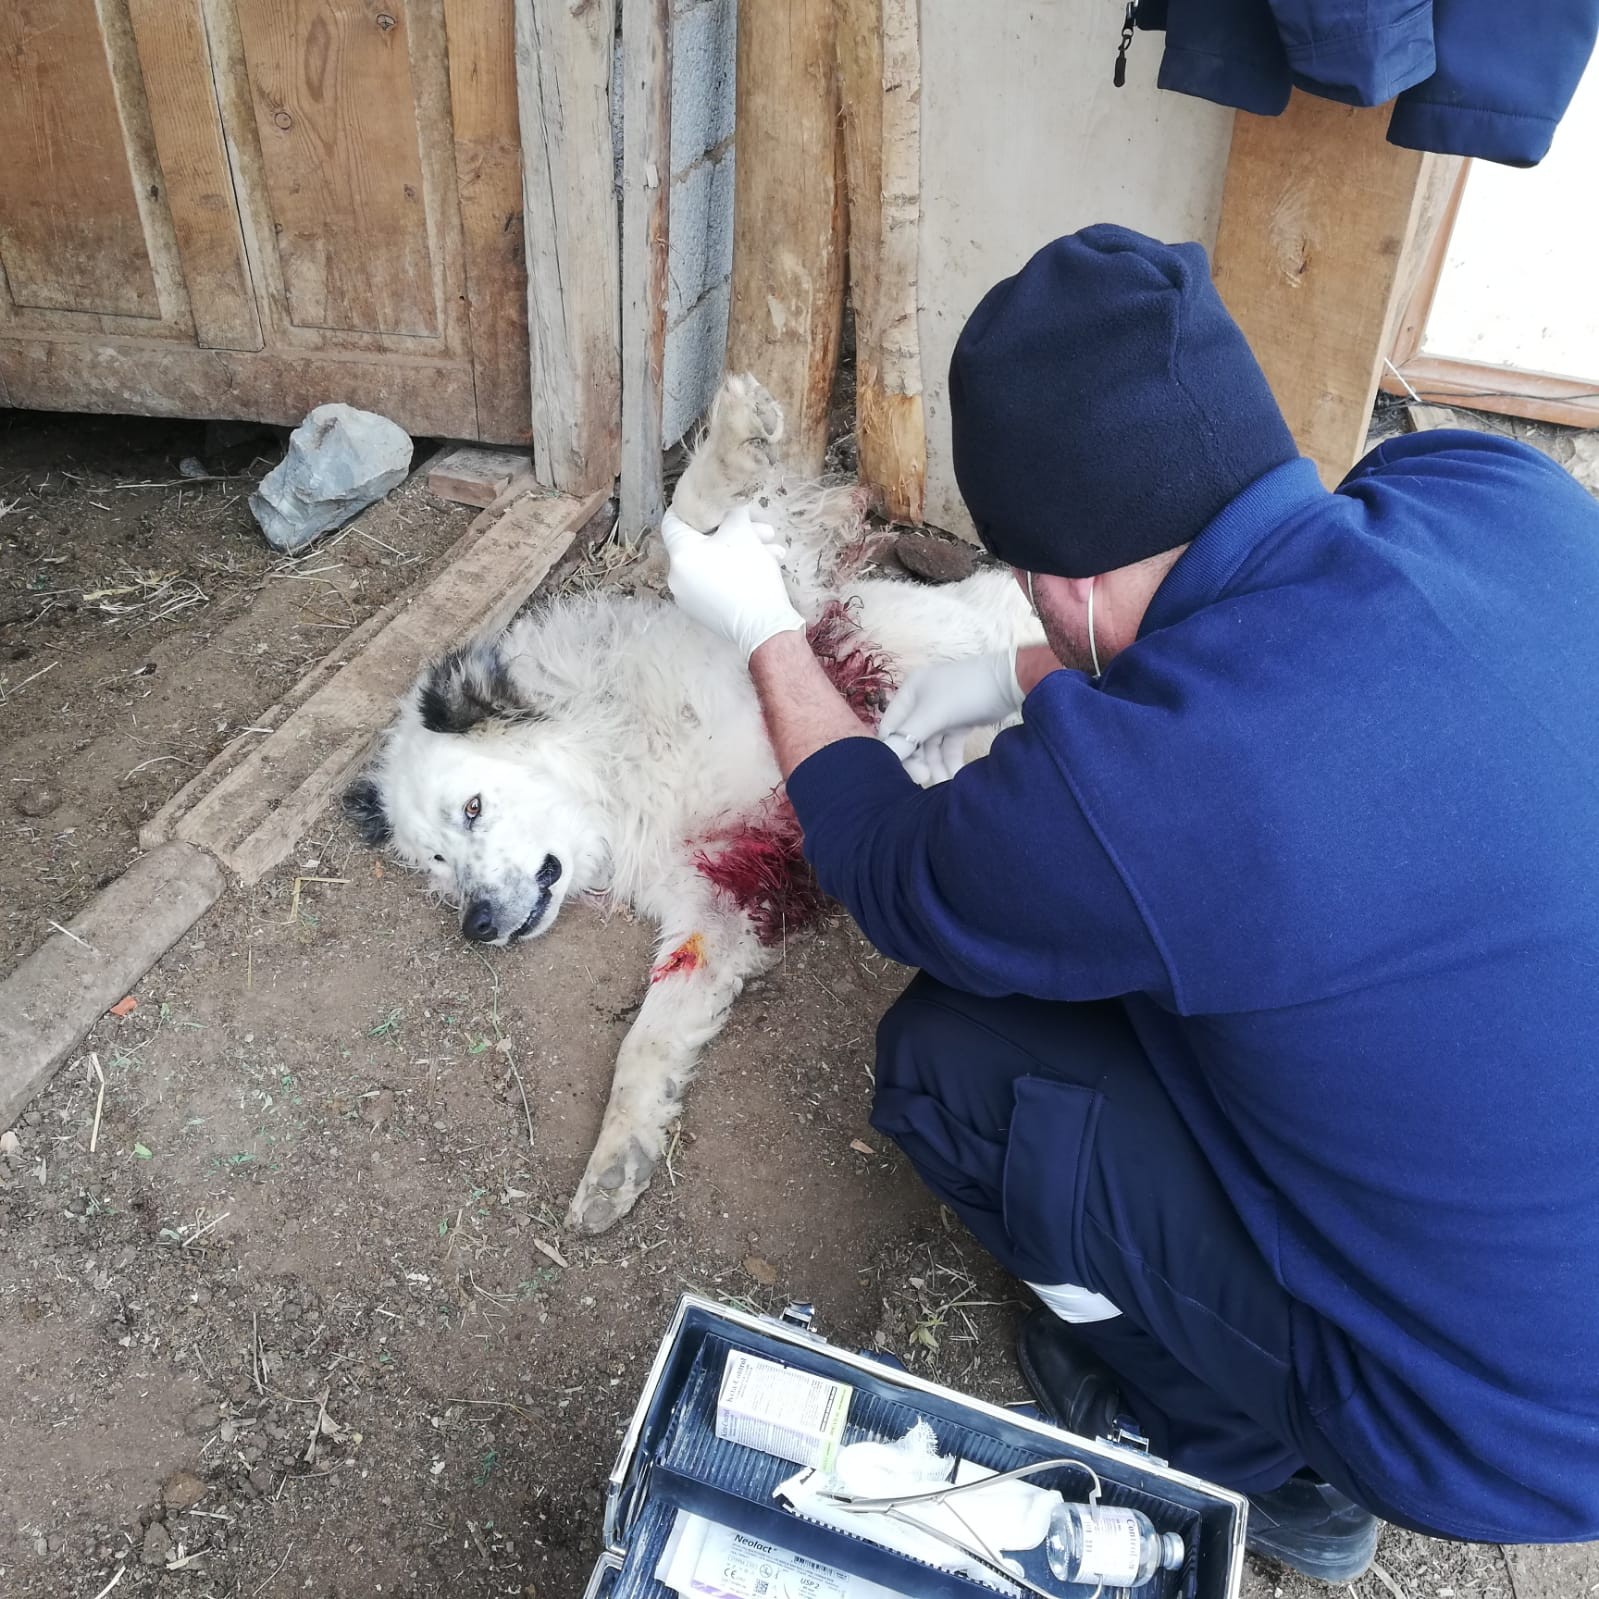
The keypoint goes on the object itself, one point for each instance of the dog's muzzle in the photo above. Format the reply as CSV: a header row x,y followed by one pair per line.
x,y
480,921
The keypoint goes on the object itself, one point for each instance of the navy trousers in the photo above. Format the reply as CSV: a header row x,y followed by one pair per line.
x,y
1044,1128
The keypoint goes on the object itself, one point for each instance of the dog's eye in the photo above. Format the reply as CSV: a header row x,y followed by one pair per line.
x,y
439,859
474,807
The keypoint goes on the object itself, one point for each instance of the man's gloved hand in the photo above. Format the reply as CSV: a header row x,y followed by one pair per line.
x,y
731,581
929,720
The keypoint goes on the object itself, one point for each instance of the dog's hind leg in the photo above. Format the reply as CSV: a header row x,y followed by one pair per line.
x,y
736,457
697,975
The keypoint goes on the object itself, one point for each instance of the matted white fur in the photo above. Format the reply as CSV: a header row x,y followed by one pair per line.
x,y
596,742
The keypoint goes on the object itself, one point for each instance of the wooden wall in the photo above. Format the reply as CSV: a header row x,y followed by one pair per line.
x,y
242,208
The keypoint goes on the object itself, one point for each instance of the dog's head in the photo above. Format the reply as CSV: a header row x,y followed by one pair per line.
x,y
475,787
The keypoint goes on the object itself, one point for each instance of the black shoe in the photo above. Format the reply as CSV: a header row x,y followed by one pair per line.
x,y
1074,1388
1310,1526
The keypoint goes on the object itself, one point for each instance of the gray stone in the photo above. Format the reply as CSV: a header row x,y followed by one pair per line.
x,y
157,1542
934,560
35,799
340,461
182,1490
1583,461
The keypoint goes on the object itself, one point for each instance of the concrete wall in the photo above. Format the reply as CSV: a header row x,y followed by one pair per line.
x,y
1024,138
700,263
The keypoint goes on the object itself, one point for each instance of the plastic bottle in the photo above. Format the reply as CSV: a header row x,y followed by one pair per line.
x,y
1107,1544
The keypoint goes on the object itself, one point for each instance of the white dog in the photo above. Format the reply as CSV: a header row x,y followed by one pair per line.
x,y
608,745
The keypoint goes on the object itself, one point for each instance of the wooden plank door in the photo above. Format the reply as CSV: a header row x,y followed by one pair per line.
x,y
242,208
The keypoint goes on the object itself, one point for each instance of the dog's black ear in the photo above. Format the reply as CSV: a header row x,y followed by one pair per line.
x,y
467,688
363,807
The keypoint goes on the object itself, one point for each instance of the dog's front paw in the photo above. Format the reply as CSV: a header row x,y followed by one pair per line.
x,y
611,1186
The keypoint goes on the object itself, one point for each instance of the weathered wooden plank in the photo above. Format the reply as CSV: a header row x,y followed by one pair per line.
x,y
1503,390
787,307
879,55
255,815
182,102
646,191
1444,185
1318,216
71,233
335,110
468,475
563,79
159,829
430,398
52,999
481,37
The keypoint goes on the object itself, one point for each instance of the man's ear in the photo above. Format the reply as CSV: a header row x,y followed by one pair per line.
x,y
363,807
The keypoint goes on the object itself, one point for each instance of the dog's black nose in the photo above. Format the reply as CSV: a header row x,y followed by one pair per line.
x,y
478,923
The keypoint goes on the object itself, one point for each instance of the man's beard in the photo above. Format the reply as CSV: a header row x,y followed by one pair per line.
x,y
1070,650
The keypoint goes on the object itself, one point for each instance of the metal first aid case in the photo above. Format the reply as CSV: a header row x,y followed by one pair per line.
x,y
672,1461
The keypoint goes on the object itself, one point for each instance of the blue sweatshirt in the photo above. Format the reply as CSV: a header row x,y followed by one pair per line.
x,y
1332,826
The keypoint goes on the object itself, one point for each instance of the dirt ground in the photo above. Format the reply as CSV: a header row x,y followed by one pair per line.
x,y
143,622
303,1322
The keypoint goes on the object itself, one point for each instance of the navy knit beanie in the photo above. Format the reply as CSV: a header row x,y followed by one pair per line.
x,y
1105,406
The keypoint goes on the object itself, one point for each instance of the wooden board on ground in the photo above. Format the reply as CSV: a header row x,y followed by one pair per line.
x,y
254,816
469,475
161,828
75,976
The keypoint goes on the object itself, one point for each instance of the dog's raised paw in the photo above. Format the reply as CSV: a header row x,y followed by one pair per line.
x,y
735,458
744,413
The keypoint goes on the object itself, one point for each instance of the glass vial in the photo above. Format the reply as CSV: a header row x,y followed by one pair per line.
x,y
1107,1544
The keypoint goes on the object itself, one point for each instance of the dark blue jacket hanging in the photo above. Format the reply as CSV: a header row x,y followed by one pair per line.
x,y
1471,77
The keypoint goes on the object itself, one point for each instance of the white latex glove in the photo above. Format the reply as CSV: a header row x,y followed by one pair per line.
x,y
929,720
731,581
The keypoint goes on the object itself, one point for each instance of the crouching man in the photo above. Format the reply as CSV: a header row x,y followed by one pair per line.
x,y
1258,1019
